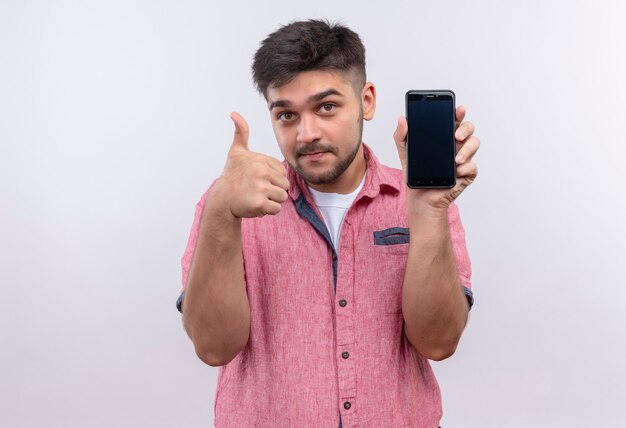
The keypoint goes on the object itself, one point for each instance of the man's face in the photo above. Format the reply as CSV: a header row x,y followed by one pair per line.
x,y
318,122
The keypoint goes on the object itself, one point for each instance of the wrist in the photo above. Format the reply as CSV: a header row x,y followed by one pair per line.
x,y
419,208
218,202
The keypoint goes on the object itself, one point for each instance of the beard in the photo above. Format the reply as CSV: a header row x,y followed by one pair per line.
x,y
337,169
328,176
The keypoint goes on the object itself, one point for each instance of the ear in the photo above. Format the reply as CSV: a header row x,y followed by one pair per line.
x,y
368,100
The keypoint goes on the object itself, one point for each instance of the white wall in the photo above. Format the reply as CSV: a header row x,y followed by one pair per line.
x,y
114,119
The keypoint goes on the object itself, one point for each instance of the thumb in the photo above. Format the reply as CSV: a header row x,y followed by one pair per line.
x,y
399,136
240,139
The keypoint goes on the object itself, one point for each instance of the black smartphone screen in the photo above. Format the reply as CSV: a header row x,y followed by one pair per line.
x,y
430,139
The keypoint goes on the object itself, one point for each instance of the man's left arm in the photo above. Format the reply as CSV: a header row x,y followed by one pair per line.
x,y
434,306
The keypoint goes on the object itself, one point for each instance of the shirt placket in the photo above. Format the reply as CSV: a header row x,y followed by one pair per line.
x,y
343,274
344,321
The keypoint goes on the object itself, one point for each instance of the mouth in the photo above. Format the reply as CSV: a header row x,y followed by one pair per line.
x,y
313,155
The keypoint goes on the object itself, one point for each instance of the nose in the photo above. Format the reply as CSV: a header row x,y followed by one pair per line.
x,y
308,129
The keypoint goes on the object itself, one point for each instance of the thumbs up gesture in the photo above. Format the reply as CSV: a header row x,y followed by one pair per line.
x,y
257,182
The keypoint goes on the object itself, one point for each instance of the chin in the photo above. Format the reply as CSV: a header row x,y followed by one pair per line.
x,y
323,177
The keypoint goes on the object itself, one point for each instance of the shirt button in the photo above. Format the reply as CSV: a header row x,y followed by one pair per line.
x,y
345,355
343,303
347,405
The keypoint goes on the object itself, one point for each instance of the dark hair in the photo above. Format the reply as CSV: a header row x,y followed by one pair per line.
x,y
307,45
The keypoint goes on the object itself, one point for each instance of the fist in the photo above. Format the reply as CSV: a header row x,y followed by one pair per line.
x,y
257,182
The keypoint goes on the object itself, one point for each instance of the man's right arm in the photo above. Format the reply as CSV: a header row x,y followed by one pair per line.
x,y
216,310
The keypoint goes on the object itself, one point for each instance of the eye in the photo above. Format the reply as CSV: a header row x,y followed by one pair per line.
x,y
285,116
327,107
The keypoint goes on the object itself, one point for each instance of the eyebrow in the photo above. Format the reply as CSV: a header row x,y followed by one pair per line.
x,y
313,98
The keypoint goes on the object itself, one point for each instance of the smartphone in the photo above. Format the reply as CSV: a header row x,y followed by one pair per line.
x,y
430,146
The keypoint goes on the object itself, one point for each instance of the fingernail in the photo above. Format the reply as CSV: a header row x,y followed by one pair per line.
x,y
460,158
458,135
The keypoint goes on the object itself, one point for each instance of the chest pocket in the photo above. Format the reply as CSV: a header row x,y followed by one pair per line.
x,y
383,270
392,236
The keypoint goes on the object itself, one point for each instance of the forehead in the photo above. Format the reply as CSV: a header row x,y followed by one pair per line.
x,y
308,83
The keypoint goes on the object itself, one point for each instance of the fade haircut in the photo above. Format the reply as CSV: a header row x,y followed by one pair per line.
x,y
308,45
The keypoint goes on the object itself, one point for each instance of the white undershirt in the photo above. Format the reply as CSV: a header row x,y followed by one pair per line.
x,y
334,207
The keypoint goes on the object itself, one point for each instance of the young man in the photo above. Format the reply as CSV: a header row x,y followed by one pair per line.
x,y
299,278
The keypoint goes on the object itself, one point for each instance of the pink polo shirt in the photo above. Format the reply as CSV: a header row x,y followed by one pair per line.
x,y
326,332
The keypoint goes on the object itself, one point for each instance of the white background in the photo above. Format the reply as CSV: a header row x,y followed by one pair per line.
x,y
114,120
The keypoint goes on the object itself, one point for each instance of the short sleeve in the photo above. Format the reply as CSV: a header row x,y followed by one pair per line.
x,y
459,248
191,247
